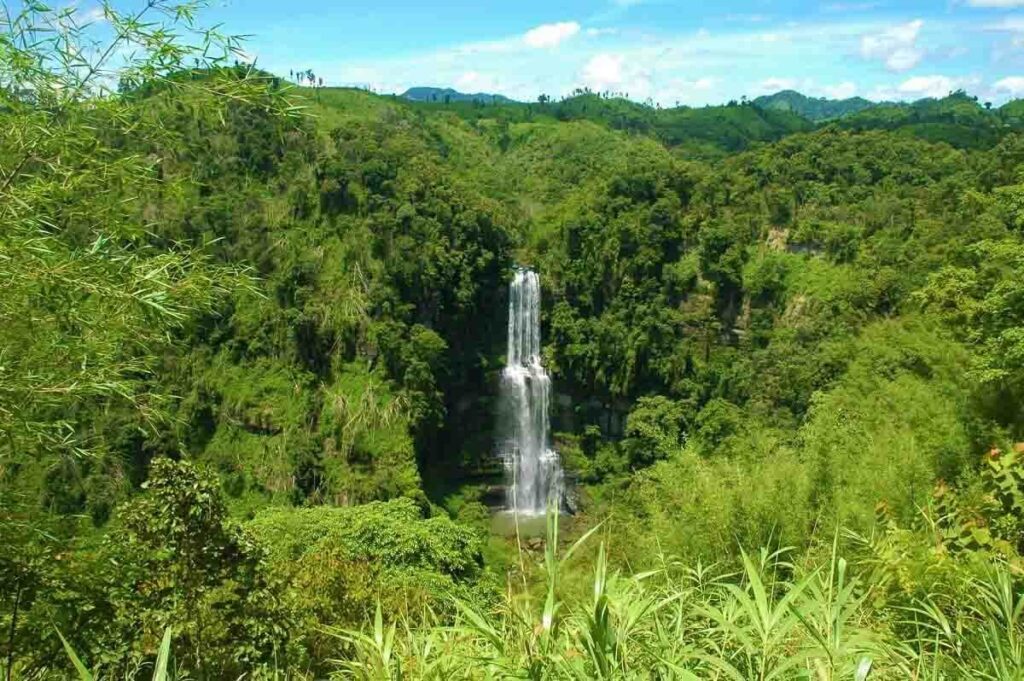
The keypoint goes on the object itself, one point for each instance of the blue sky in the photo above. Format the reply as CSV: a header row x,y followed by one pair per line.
x,y
669,51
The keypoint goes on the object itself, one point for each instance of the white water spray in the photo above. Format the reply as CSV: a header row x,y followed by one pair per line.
x,y
532,466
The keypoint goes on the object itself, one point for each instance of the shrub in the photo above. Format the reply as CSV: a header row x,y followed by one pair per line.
x,y
340,562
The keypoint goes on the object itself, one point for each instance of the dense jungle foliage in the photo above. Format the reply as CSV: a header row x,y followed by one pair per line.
x,y
250,336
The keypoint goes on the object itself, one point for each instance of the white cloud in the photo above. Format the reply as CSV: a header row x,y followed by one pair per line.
x,y
996,4
1007,24
364,77
700,84
473,81
91,15
896,46
903,59
686,91
929,86
807,86
1011,85
551,35
603,71
1008,48
693,67
843,90
617,73
773,85
601,31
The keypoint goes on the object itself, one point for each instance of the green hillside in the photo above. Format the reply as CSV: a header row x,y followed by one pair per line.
x,y
251,339
713,131
815,109
959,120
707,132
446,95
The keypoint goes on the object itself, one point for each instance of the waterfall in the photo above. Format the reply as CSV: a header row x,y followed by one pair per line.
x,y
532,466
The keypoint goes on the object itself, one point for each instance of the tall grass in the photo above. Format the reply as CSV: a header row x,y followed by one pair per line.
x,y
160,667
771,620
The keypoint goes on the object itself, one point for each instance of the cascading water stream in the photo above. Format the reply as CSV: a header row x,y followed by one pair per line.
x,y
532,466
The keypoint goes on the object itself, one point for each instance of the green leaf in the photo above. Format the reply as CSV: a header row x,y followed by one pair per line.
x,y
163,657
83,672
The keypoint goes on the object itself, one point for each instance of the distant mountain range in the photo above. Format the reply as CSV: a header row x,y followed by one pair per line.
x,y
816,109
959,118
446,95
812,108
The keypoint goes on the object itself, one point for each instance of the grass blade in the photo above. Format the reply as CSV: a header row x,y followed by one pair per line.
x,y
83,673
163,657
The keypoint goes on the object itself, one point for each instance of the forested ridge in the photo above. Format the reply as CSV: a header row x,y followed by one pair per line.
x,y
251,334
